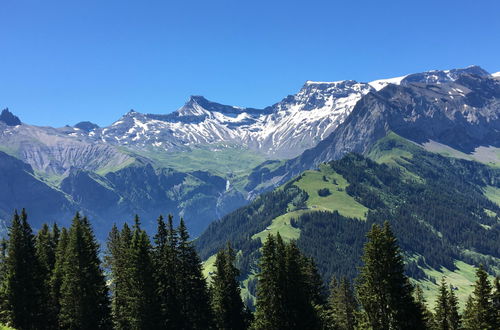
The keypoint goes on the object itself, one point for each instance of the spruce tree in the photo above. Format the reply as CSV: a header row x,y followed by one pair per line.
x,y
496,301
384,290
480,313
121,275
343,305
143,305
442,310
165,257
57,276
284,297
23,282
46,244
455,320
300,312
194,300
268,314
315,285
3,298
84,295
428,317
468,314
115,259
229,310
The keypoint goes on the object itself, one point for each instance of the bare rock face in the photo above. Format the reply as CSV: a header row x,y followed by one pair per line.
x,y
54,151
111,172
459,109
19,188
86,126
283,130
8,118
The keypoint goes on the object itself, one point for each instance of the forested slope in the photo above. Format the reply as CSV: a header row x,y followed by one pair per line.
x,y
438,207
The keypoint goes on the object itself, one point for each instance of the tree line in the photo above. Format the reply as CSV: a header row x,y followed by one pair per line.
x,y
56,280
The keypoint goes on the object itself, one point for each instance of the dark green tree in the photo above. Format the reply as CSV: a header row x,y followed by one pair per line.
x,y
427,315
384,290
84,295
117,260
23,282
284,296
298,304
468,314
194,299
446,310
442,309
455,320
342,305
315,284
143,310
4,315
268,313
479,312
57,276
496,300
46,245
166,261
229,310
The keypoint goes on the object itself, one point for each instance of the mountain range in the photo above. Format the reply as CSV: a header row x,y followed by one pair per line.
x,y
207,159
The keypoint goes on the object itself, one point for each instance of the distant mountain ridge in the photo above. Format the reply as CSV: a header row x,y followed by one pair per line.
x,y
455,108
460,109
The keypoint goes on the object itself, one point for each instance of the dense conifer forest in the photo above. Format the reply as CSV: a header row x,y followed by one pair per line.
x,y
436,206
56,279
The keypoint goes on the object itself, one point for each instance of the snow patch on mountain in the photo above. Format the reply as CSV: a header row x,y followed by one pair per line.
x,y
283,130
381,83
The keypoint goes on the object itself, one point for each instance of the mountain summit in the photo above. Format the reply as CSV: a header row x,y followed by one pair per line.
x,y
207,158
9,118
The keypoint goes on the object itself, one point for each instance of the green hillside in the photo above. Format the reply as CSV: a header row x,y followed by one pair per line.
x,y
443,210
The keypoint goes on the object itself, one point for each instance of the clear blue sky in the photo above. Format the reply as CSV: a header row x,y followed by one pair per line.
x,y
66,61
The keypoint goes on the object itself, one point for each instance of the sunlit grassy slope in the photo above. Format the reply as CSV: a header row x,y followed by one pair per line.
x,y
224,161
392,150
462,280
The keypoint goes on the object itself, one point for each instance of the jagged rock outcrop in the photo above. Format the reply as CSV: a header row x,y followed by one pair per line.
x,y
460,109
8,118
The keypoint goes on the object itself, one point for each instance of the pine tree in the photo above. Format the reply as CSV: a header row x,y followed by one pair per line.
x,y
384,290
227,304
22,277
122,279
479,312
315,285
4,317
57,276
300,312
468,314
115,259
343,305
428,317
268,314
455,319
166,260
442,310
46,244
496,301
194,300
84,294
284,297
143,305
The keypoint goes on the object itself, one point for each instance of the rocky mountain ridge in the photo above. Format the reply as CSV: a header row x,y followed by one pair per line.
x,y
121,169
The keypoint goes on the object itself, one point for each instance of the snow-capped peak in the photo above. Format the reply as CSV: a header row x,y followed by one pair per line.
x,y
496,75
283,130
430,77
381,83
